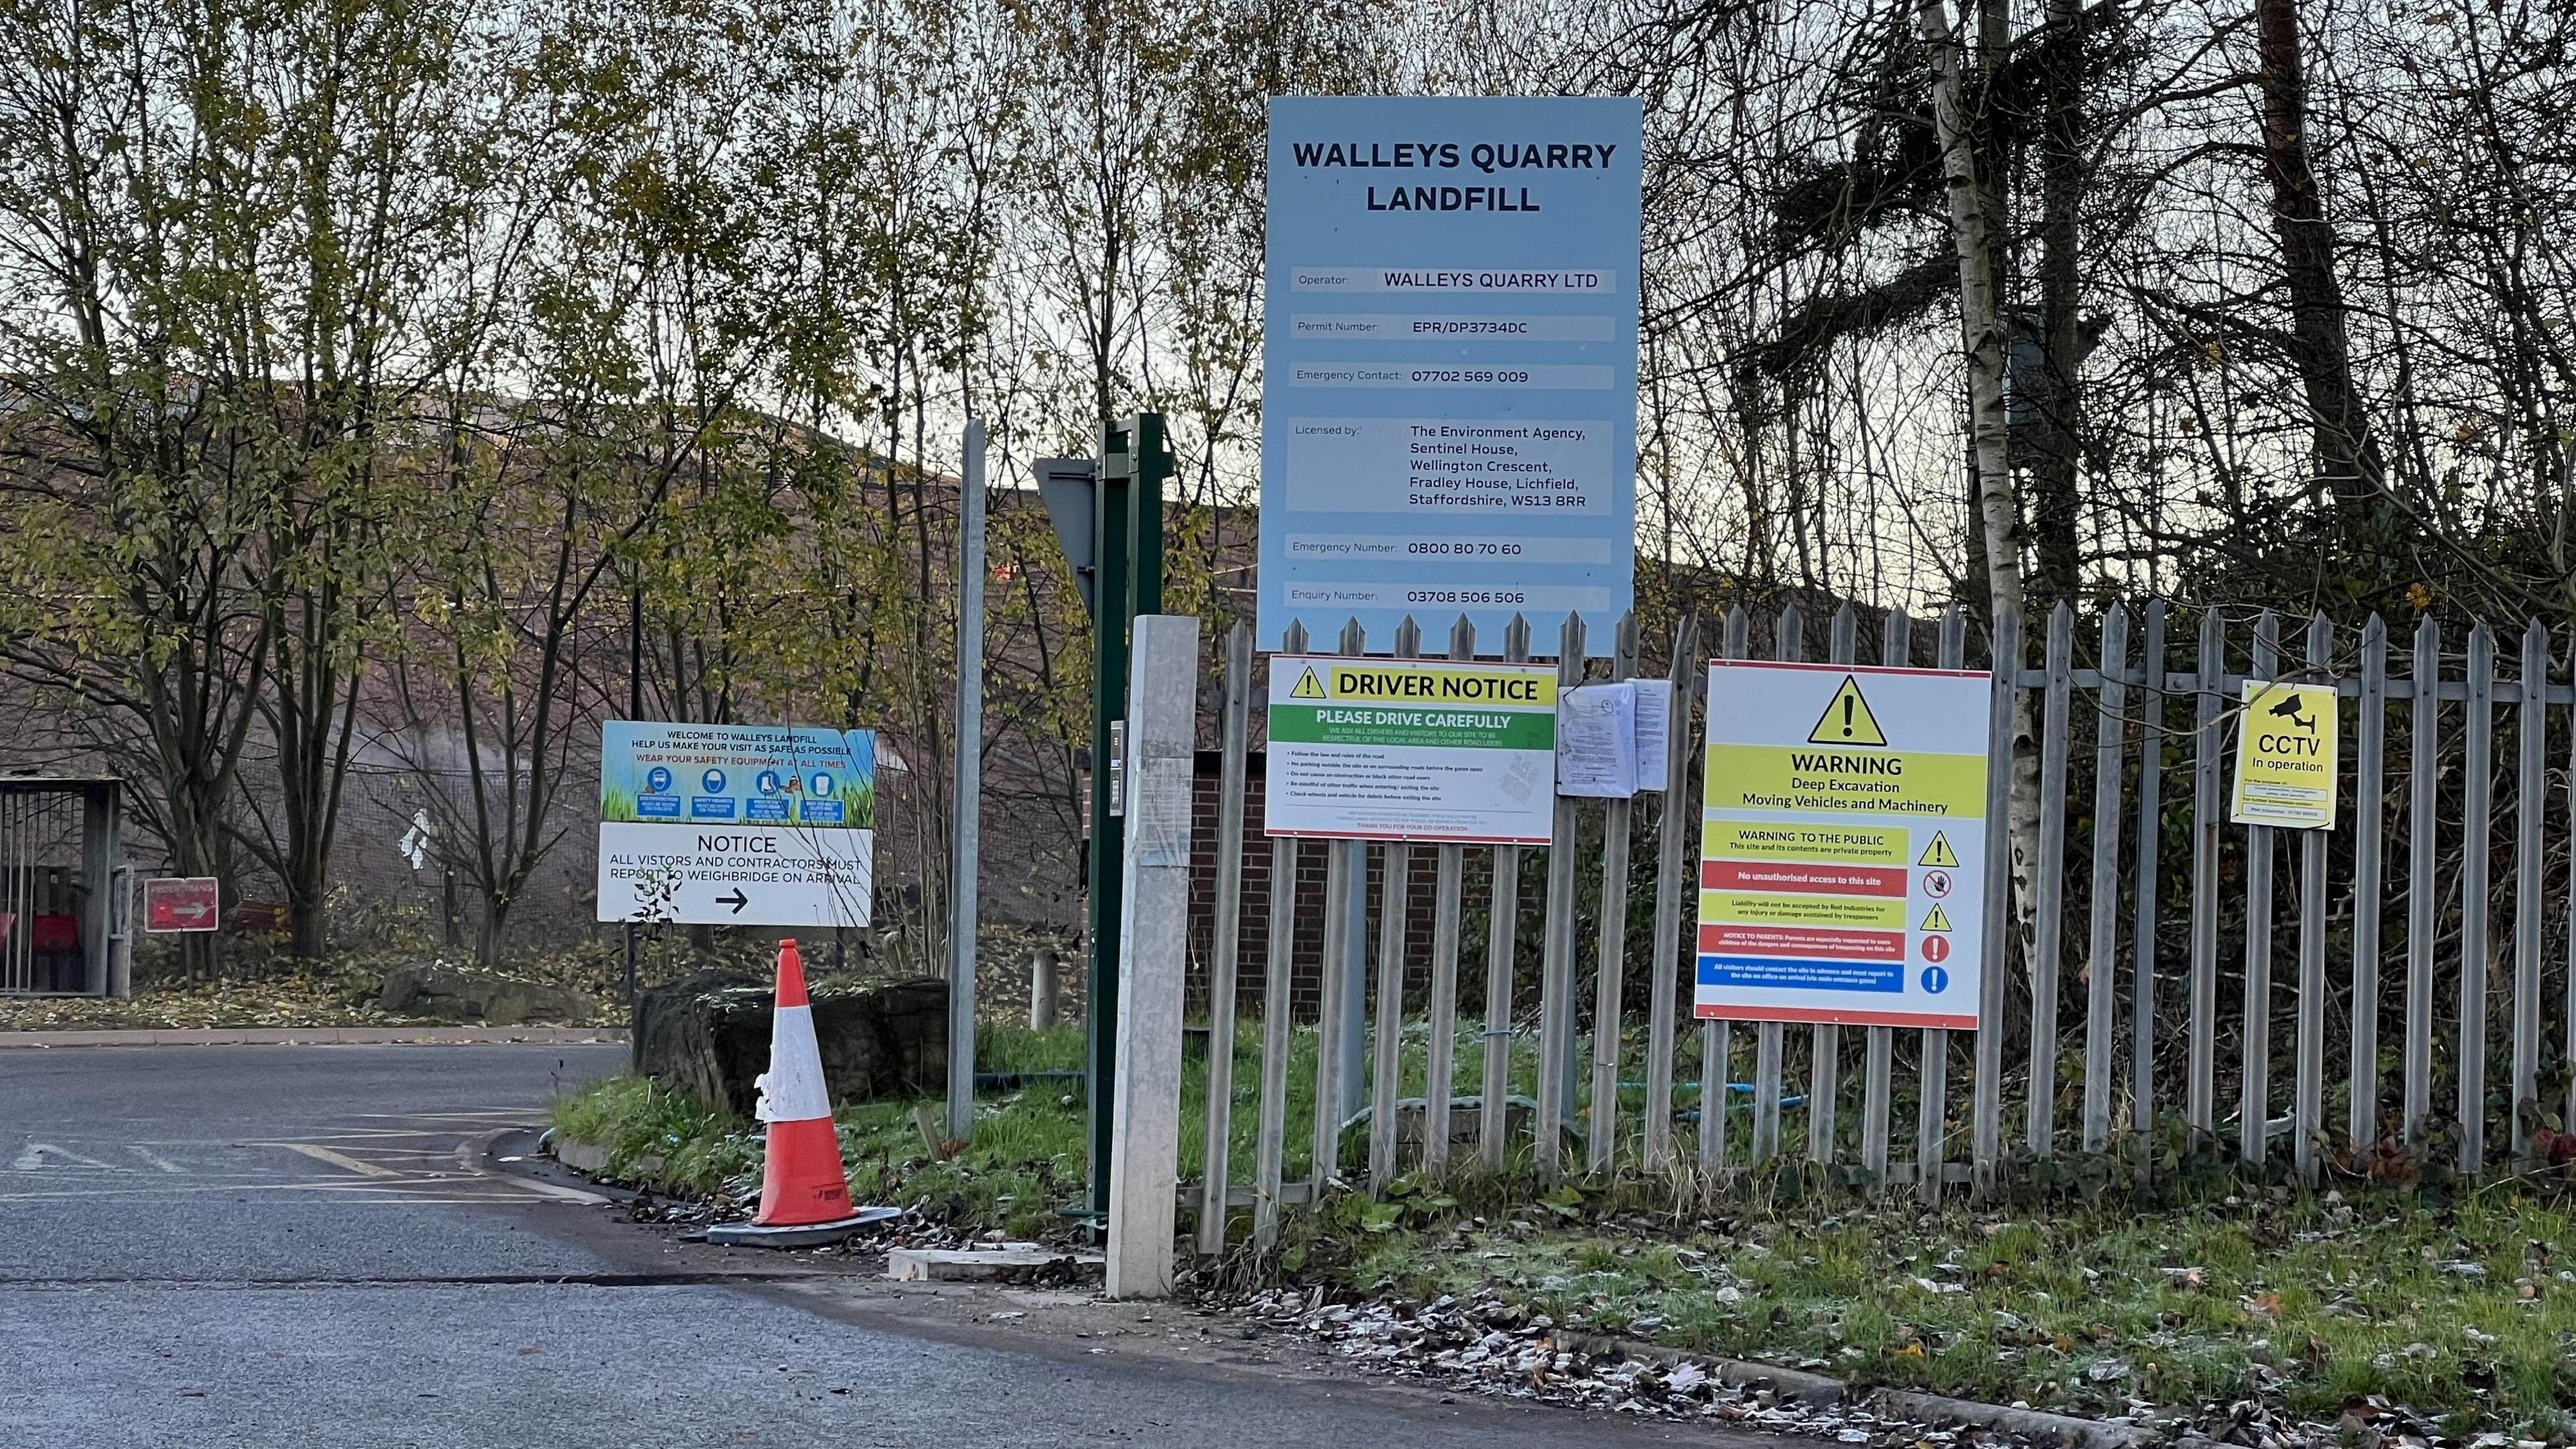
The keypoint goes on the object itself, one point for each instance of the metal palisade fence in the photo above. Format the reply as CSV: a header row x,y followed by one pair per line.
x,y
2155,962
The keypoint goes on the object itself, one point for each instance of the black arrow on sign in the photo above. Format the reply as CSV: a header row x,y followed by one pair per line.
x,y
737,900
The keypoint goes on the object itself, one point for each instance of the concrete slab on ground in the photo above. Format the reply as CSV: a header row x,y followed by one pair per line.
x,y
983,1265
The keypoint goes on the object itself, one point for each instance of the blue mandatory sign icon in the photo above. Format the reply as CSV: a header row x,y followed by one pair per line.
x,y
821,784
1935,980
657,781
714,781
768,782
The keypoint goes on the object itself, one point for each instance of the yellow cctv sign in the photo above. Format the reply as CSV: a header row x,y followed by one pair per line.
x,y
2287,740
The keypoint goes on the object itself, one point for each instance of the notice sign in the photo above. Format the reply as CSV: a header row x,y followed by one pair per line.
x,y
749,825
1449,423
2286,743
182,903
1842,846
1403,749
1596,741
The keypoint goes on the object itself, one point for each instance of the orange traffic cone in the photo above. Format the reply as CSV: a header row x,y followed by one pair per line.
x,y
802,1182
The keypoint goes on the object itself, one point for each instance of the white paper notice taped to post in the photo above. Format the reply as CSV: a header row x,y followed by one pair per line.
x,y
1411,749
1611,738
1654,731
1596,741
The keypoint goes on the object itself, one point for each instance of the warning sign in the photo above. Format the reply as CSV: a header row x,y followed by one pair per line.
x,y
2286,744
1402,749
1846,720
1845,812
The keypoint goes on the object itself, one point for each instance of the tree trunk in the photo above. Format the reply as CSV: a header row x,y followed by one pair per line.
x,y
1981,331
492,933
2350,471
313,714
1978,321
2056,512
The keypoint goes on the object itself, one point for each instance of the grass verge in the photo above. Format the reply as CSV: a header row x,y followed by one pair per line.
x,y
1023,1163
2457,1305
2463,1310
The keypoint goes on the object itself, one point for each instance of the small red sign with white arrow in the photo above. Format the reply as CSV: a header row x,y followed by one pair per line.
x,y
182,903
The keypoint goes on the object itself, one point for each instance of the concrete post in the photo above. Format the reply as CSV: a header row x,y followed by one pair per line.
x,y
1145,1132
1044,986
966,833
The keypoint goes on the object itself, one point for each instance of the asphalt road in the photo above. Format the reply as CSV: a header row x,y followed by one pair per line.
x,y
254,1246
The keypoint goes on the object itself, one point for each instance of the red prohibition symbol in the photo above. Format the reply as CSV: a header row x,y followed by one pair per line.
x,y
1936,883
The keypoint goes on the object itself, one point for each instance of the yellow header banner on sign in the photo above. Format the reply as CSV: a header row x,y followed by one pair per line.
x,y
1829,781
1397,681
2288,743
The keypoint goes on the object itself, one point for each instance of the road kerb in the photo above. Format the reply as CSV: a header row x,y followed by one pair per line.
x,y
1822,1389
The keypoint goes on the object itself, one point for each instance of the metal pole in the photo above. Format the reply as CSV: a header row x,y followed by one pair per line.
x,y
634,711
1345,995
1127,557
967,830
1042,987
1108,707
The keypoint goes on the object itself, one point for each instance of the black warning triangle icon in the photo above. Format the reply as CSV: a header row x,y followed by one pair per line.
x,y
1939,851
1847,720
1938,920
1308,686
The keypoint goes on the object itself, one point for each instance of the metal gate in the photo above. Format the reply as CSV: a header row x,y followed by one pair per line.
x,y
62,916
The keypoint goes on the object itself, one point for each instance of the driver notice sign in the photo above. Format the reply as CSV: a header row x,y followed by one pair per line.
x,y
1411,749
1842,844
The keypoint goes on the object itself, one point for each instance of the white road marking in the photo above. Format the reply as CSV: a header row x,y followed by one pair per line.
x,y
156,1159
469,1155
31,1158
513,1115
379,1200
364,1190
320,1153
439,1161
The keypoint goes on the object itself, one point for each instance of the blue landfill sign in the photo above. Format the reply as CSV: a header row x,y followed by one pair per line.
x,y
754,773
1935,980
1449,343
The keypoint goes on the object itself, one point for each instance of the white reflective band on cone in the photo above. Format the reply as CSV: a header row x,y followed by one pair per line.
x,y
792,1089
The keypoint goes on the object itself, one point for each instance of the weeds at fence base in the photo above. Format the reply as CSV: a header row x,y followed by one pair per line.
x,y
2459,1306
2073,1287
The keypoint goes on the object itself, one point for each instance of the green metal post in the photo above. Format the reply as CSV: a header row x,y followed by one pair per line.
x,y
1127,580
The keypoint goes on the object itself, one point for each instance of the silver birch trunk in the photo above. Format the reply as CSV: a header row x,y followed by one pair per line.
x,y
1982,333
